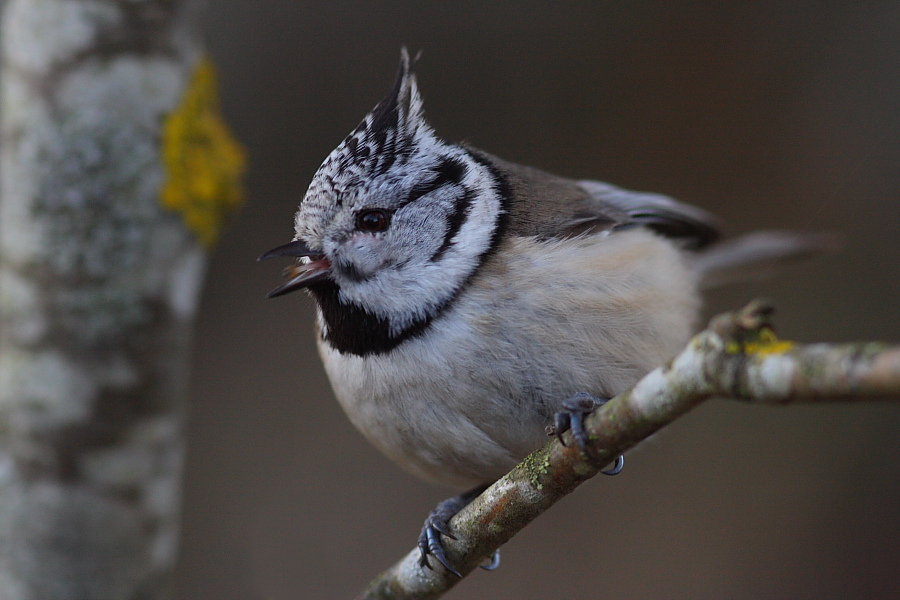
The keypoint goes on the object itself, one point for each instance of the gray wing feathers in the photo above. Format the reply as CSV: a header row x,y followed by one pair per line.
x,y
547,206
752,256
662,214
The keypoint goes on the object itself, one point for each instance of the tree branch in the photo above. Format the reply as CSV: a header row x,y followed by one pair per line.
x,y
738,356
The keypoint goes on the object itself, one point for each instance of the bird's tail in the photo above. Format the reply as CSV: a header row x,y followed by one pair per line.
x,y
757,255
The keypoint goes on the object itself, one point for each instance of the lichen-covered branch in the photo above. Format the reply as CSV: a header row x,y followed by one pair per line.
x,y
737,356
99,283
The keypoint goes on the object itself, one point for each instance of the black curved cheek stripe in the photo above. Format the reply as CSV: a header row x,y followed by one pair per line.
x,y
504,193
455,222
448,171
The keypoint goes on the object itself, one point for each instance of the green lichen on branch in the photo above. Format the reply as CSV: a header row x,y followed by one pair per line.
x,y
738,356
535,466
204,164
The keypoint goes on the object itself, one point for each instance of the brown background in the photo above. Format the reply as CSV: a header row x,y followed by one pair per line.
x,y
779,115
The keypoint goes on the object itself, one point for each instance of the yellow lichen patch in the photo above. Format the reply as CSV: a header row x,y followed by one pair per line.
x,y
779,347
204,163
766,342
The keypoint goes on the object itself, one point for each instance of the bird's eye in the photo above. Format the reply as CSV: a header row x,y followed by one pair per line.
x,y
372,221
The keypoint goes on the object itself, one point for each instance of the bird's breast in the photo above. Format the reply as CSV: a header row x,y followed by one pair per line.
x,y
466,400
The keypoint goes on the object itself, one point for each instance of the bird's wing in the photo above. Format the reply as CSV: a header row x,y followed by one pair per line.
x,y
548,206
696,227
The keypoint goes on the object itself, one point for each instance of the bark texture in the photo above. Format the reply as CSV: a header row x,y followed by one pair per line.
x,y
738,357
98,288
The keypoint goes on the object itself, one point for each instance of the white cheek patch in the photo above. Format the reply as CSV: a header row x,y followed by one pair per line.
x,y
417,288
358,261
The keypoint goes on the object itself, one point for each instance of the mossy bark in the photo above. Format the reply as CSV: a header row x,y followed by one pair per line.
x,y
738,357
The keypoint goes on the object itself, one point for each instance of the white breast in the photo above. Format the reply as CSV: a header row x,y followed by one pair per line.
x,y
464,402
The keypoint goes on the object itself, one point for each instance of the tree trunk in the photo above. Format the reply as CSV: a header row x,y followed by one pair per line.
x,y
99,284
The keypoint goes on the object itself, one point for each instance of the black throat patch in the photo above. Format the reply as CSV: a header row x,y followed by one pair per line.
x,y
352,329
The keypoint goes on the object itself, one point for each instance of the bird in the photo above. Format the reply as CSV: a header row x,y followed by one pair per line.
x,y
464,303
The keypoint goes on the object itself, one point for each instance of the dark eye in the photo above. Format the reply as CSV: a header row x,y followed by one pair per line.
x,y
372,221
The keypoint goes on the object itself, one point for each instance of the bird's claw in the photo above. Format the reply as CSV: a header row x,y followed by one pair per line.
x,y
571,418
495,562
617,468
430,544
437,524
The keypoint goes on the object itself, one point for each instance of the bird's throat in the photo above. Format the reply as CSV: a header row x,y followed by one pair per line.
x,y
351,329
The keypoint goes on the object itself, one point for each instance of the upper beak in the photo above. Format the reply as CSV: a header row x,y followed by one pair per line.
x,y
301,275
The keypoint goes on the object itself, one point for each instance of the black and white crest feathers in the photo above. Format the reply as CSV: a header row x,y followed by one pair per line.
x,y
391,129
386,137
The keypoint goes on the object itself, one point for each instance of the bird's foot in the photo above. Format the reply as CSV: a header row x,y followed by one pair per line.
x,y
437,524
571,417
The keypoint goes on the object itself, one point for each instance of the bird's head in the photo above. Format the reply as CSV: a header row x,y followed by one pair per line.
x,y
394,221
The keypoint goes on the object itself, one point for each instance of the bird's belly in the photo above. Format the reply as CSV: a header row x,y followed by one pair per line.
x,y
434,415
466,400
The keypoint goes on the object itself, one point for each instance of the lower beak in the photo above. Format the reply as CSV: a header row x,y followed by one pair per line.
x,y
314,269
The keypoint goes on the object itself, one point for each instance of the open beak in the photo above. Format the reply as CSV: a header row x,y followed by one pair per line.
x,y
314,267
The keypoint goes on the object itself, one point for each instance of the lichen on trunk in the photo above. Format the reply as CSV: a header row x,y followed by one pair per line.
x,y
99,284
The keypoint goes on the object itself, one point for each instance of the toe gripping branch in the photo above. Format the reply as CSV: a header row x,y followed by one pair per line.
x,y
571,417
437,524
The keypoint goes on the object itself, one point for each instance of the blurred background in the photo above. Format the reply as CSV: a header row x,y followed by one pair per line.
x,y
770,114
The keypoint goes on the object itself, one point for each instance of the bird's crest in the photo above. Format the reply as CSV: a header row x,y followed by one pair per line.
x,y
390,134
